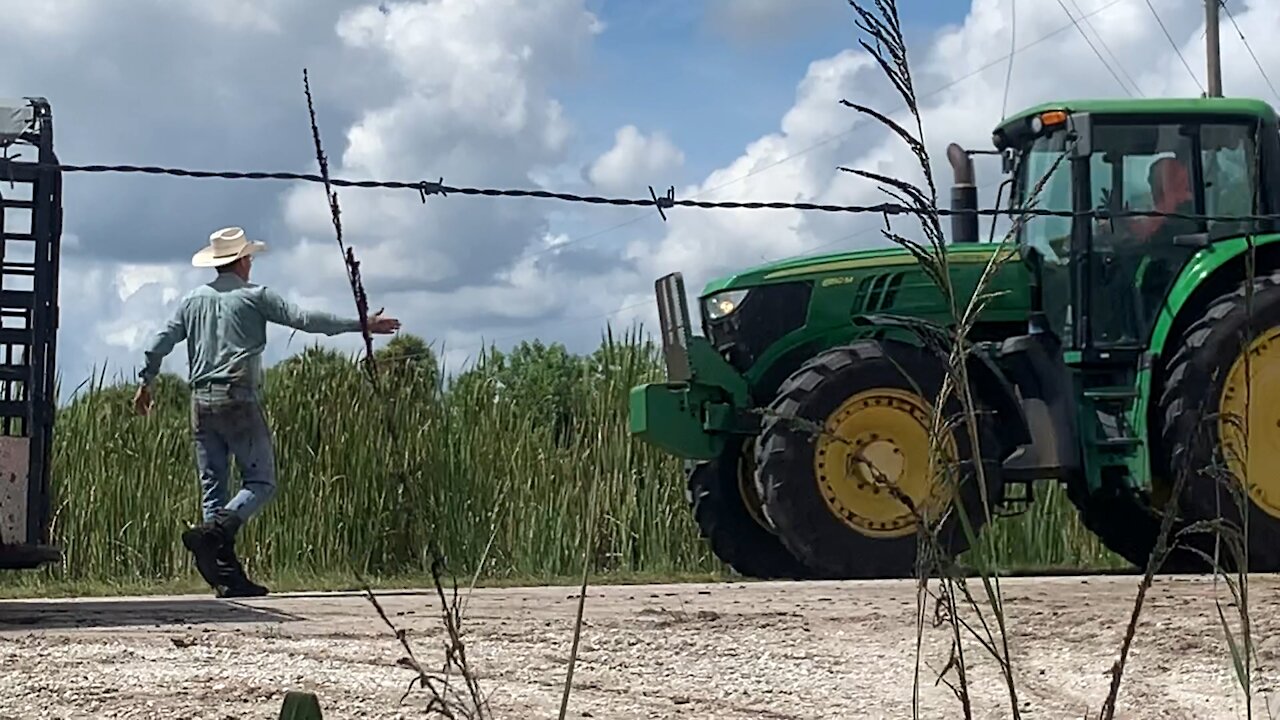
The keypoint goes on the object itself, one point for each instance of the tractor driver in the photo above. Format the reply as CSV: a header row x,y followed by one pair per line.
x,y
1140,259
1170,184
1171,193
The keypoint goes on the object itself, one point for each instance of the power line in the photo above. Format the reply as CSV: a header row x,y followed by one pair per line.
x,y
1013,50
1094,48
936,91
1174,45
1245,40
1102,41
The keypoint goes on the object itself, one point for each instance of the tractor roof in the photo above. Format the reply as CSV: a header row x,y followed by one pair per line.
x,y
1154,106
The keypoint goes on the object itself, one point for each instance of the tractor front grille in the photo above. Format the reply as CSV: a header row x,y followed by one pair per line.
x,y
766,314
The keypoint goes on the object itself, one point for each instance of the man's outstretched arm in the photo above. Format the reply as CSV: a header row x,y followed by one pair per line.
x,y
282,312
162,343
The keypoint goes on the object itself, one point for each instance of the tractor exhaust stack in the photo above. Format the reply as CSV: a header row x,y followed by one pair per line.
x,y
964,196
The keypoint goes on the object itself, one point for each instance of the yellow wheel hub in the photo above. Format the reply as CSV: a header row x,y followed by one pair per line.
x,y
1249,421
876,440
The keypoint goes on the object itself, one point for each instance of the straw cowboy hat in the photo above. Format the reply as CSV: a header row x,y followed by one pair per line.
x,y
226,246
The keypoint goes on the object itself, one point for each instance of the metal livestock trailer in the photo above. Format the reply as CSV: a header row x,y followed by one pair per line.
x,y
30,231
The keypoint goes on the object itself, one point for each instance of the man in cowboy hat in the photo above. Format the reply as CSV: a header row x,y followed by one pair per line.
x,y
224,324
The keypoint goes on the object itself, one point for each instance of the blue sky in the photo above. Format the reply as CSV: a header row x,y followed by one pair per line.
x,y
664,64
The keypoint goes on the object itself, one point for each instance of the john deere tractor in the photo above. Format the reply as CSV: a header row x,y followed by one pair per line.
x,y
1112,358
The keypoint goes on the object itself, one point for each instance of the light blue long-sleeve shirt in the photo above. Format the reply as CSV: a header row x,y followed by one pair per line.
x,y
224,324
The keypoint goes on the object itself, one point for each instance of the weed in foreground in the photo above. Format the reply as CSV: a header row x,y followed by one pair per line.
x,y
446,698
887,45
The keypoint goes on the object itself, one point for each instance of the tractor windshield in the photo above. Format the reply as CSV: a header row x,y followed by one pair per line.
x,y
1191,167
1044,182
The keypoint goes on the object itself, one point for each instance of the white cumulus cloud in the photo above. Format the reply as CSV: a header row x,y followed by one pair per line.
x,y
635,161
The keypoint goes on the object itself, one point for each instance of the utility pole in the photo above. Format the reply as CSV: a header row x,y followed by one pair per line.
x,y
1213,46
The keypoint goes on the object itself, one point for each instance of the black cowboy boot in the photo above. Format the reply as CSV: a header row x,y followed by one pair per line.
x,y
205,541
232,580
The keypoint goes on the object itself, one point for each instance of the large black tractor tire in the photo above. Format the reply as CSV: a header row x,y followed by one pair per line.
x,y
1127,524
1203,406
722,494
872,401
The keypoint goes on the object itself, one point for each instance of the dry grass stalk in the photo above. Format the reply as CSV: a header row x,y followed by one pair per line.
x,y
888,48
447,700
884,30
1243,650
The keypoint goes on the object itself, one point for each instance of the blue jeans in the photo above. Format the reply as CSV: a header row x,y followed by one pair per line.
x,y
230,422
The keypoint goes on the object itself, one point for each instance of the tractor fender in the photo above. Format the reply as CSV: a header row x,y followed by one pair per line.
x,y
1033,364
1200,278
1212,271
996,390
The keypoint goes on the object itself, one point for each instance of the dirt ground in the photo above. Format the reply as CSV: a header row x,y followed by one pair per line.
x,y
740,650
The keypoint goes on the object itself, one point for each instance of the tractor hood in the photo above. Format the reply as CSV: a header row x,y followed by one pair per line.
x,y
834,264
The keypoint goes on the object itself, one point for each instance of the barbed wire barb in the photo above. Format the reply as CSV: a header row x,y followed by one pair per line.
x,y
667,200
426,188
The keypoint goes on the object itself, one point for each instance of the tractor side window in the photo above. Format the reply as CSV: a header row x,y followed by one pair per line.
x,y
1230,176
1137,191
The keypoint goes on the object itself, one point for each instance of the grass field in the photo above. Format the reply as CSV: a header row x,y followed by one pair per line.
x,y
497,465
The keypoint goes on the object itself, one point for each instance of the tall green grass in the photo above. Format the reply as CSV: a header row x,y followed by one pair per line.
x,y
500,460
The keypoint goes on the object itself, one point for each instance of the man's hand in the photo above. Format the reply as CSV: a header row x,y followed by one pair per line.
x,y
379,325
142,401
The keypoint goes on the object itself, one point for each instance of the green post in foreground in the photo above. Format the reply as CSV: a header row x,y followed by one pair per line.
x,y
300,706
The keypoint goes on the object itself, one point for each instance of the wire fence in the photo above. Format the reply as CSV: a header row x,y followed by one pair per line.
x,y
429,188
439,188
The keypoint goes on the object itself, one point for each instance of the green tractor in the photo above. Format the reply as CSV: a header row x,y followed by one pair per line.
x,y
1113,357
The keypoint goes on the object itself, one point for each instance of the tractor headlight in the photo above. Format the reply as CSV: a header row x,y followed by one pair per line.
x,y
724,304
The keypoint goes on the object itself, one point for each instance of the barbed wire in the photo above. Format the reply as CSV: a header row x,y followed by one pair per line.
x,y
429,188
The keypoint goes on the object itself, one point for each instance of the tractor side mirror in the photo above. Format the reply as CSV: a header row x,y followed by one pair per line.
x,y
1198,241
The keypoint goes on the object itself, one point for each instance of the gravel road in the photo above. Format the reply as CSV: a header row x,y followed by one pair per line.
x,y
734,650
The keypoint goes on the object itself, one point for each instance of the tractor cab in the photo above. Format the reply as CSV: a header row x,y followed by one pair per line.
x,y
1104,279
1133,369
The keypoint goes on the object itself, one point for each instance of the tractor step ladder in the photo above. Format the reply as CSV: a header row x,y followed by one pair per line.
x,y
1111,393
1112,405
30,231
